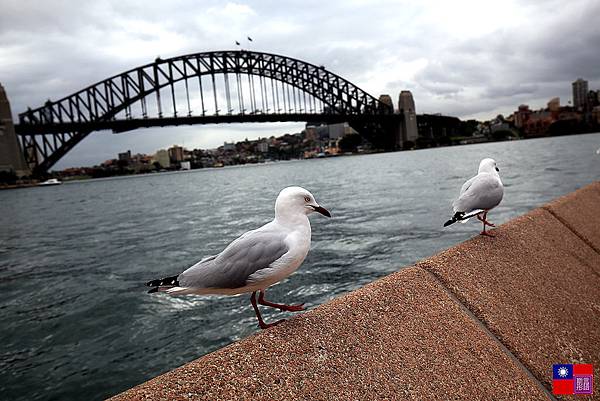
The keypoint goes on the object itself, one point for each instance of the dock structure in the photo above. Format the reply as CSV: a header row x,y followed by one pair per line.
x,y
484,320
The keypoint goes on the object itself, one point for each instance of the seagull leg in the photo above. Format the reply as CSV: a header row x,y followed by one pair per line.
x,y
261,322
283,307
485,222
490,224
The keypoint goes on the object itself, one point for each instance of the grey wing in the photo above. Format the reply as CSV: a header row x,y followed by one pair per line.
x,y
483,192
466,185
231,268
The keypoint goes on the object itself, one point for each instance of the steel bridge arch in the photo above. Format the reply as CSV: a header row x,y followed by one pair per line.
x,y
70,119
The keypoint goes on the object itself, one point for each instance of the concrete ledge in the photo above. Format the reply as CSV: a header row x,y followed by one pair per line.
x,y
580,212
483,320
539,292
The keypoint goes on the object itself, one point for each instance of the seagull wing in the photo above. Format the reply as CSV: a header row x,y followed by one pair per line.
x,y
253,251
484,191
466,185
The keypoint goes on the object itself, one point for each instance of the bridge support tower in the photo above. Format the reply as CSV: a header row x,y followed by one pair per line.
x,y
11,156
408,131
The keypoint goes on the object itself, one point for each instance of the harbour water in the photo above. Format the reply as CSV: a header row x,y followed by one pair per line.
x,y
77,323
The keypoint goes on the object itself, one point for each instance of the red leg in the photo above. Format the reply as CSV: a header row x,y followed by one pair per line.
x,y
283,307
261,322
484,221
487,222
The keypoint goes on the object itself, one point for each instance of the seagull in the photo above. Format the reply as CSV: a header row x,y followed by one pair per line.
x,y
479,195
257,259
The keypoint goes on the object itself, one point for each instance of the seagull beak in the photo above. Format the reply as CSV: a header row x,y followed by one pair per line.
x,y
321,210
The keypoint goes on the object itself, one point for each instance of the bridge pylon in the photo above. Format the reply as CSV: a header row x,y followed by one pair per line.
x,y
11,155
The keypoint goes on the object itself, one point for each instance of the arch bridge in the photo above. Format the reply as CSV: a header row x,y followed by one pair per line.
x,y
203,88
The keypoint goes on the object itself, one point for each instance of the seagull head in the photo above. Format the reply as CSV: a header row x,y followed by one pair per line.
x,y
488,166
293,201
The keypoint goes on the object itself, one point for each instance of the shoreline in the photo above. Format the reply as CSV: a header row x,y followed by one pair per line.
x,y
149,174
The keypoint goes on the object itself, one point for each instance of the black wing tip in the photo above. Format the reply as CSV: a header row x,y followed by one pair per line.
x,y
153,290
153,283
172,281
457,217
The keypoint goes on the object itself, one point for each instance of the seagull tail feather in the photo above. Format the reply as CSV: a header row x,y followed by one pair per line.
x,y
162,284
457,217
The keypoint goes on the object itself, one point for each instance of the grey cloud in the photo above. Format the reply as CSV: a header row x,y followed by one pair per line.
x,y
53,48
510,90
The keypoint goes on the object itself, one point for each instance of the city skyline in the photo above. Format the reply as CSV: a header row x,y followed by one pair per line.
x,y
462,59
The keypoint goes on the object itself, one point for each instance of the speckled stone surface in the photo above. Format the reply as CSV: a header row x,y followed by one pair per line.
x,y
536,286
484,320
580,211
401,337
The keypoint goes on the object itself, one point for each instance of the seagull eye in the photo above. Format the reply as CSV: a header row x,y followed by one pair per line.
x,y
307,199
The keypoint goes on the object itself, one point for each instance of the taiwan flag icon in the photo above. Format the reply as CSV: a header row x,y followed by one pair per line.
x,y
572,378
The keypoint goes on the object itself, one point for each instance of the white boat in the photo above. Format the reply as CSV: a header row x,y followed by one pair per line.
x,y
51,181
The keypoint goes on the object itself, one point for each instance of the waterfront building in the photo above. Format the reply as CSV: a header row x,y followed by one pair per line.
x,y
310,133
436,130
554,104
409,131
596,115
176,154
125,156
162,157
11,157
336,131
228,146
580,93
521,116
593,99
538,123
348,130
554,107
262,146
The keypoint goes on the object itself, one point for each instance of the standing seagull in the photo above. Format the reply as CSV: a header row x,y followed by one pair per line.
x,y
479,195
257,259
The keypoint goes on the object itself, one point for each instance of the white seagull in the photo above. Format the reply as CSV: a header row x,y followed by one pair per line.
x,y
257,259
479,195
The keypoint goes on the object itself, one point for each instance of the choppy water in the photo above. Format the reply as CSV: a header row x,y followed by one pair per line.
x,y
77,322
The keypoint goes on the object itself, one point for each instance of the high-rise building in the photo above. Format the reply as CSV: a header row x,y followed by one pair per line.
x,y
176,154
580,92
11,157
409,131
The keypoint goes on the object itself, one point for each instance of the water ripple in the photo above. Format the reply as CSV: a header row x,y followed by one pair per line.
x,y
78,324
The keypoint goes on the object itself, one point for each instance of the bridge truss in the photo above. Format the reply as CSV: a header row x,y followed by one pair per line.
x,y
200,88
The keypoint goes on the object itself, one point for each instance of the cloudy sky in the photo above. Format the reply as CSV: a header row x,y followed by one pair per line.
x,y
461,58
